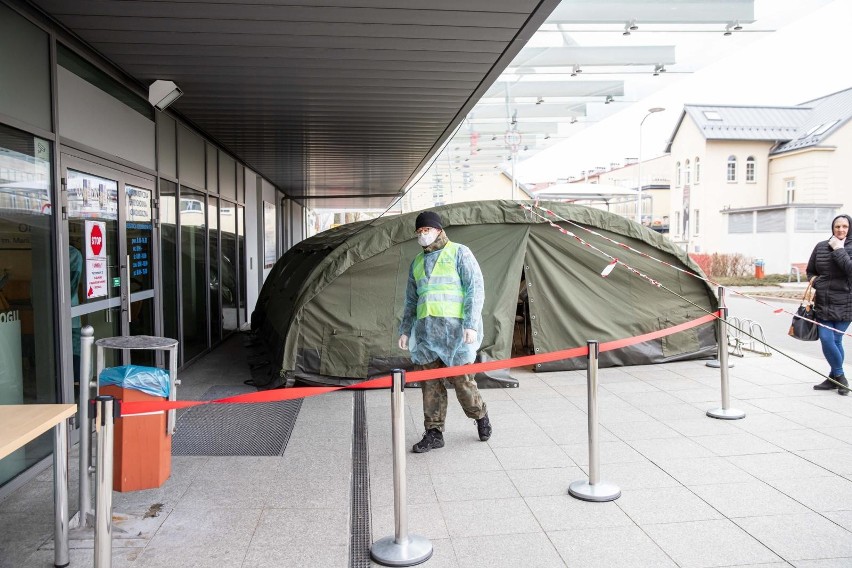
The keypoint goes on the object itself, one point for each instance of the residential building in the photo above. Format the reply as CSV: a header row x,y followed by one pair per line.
x,y
761,181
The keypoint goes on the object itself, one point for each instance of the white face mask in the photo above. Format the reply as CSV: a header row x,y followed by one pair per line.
x,y
427,238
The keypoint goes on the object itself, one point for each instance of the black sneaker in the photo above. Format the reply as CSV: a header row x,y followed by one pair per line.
x,y
483,426
844,390
432,439
826,385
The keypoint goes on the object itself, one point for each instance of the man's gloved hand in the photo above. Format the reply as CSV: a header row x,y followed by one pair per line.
x,y
470,336
403,342
836,243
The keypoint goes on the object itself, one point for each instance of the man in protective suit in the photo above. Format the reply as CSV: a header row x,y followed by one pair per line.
x,y
442,326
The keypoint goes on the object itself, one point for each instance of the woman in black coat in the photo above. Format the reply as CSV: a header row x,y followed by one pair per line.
x,y
830,267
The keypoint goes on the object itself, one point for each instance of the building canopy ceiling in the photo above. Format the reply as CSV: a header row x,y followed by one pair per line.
x,y
335,99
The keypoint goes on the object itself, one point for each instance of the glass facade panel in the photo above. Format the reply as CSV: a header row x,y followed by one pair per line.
x,y
27,338
215,272
139,230
168,248
228,269
193,263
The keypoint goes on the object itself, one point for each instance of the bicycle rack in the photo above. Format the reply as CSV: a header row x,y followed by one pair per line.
x,y
746,335
735,336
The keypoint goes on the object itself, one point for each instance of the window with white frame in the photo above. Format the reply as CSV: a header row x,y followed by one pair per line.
x,y
688,173
697,171
813,219
790,186
677,175
772,221
695,222
732,168
750,169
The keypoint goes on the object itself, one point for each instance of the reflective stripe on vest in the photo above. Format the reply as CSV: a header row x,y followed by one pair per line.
x,y
440,295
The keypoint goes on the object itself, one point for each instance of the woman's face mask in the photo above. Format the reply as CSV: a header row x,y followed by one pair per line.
x,y
426,238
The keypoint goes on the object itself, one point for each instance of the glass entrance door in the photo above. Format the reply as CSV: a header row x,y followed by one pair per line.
x,y
111,234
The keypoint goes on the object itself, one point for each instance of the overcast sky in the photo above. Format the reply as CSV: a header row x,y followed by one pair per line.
x,y
805,59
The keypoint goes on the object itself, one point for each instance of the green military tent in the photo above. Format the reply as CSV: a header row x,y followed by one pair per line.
x,y
329,311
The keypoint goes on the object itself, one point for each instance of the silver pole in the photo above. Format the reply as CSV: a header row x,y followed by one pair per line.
x,y
103,505
402,549
60,492
87,339
594,489
173,383
725,412
716,363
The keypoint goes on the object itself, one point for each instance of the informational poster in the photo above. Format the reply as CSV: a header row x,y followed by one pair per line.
x,y
269,241
96,259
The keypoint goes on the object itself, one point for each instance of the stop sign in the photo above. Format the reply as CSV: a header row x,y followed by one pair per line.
x,y
96,240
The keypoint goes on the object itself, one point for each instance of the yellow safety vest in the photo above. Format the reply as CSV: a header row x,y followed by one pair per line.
x,y
440,295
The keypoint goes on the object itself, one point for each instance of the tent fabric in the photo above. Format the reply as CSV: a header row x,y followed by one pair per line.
x,y
330,309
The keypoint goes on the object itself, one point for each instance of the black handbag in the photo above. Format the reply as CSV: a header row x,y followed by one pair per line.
x,y
803,326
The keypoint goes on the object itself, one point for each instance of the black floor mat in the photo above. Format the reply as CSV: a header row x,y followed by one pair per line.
x,y
234,429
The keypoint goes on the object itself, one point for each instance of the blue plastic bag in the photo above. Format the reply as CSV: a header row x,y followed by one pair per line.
x,y
149,380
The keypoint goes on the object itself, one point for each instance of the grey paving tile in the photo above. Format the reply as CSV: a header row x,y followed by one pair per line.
x,y
488,517
479,457
508,435
645,430
804,536
609,547
837,460
324,527
473,486
699,544
207,527
545,481
528,550
664,505
822,494
702,471
191,556
842,518
769,467
628,386
636,475
757,423
561,512
424,519
804,439
419,489
307,555
739,444
317,492
704,395
703,426
608,453
751,499
824,563
532,458
670,449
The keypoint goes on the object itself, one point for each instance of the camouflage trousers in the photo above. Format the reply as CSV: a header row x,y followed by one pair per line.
x,y
435,397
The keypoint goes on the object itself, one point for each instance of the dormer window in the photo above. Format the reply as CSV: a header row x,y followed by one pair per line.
x,y
712,115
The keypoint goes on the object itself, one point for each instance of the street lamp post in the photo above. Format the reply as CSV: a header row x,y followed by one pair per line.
x,y
639,165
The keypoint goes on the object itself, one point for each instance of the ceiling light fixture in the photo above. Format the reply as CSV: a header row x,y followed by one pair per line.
x,y
162,93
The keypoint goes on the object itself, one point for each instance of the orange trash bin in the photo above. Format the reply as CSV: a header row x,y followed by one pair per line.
x,y
142,457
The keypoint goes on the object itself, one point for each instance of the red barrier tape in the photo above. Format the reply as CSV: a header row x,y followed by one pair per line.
x,y
279,395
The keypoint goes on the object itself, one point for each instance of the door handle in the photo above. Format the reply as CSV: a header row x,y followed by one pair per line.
x,y
127,268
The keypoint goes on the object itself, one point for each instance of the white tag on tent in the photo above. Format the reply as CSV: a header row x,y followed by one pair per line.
x,y
609,268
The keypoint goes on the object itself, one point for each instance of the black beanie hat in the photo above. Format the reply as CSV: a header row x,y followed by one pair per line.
x,y
848,220
428,219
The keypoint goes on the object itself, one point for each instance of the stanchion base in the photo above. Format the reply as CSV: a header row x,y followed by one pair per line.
x,y
723,414
599,492
716,365
387,552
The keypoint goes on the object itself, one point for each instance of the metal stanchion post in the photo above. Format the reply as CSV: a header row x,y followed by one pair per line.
x,y
402,549
60,492
86,513
724,413
103,504
594,489
717,362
